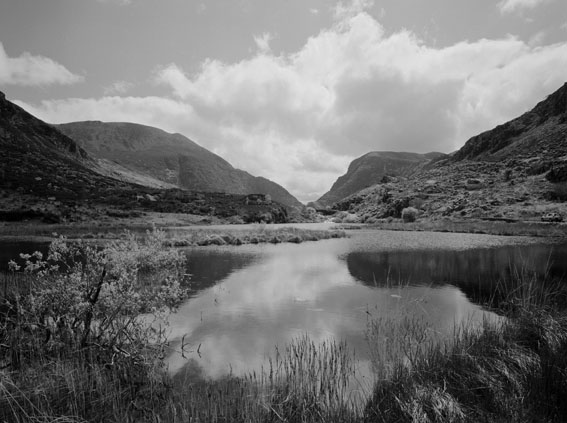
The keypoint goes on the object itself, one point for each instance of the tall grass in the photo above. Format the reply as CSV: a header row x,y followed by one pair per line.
x,y
508,369
306,382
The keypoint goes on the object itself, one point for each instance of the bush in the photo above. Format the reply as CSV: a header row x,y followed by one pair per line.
x,y
81,337
409,214
559,191
83,294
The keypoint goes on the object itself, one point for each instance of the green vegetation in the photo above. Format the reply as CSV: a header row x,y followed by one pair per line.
x,y
511,369
76,337
492,227
79,341
409,214
255,236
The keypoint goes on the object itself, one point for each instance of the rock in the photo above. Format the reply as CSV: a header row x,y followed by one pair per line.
x,y
552,217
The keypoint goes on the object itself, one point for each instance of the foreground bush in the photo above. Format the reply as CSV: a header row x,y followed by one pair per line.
x,y
79,339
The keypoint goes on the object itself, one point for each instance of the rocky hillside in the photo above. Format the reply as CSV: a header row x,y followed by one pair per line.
x,y
374,168
36,158
45,175
536,135
170,158
517,171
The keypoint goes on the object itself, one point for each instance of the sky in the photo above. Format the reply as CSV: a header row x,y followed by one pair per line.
x,y
292,90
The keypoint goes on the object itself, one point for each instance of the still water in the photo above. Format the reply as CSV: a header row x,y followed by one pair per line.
x,y
247,300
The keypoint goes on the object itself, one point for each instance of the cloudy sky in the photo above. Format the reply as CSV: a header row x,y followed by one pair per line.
x,y
292,90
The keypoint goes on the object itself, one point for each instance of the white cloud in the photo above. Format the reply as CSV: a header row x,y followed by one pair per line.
x,y
299,119
118,87
155,111
118,2
510,6
30,70
263,42
346,9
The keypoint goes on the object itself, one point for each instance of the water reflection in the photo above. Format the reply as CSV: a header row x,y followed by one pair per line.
x,y
247,300
470,270
327,289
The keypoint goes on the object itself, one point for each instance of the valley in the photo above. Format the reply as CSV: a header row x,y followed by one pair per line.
x,y
122,172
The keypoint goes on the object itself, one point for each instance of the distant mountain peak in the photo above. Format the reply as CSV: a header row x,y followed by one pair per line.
x,y
370,169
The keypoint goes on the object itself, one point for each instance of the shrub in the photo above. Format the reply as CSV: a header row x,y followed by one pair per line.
x,y
409,214
82,338
84,294
559,191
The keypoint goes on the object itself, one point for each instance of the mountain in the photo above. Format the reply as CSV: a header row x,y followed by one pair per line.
x,y
170,158
46,175
373,168
36,158
541,132
516,171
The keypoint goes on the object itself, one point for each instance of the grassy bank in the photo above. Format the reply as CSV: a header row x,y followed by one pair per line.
x,y
68,354
191,237
496,227
260,235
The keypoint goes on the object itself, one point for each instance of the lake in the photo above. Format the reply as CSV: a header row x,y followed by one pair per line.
x,y
246,301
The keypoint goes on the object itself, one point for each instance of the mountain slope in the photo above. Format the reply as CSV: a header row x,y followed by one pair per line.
x,y
45,175
171,158
516,171
371,169
541,132
36,158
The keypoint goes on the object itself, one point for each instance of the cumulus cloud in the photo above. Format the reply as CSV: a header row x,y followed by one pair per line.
x,y
300,118
263,42
347,9
510,6
30,70
154,111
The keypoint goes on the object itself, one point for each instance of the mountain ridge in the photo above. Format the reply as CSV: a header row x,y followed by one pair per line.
x,y
170,158
45,175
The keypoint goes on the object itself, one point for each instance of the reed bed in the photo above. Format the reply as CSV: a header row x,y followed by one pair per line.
x,y
307,382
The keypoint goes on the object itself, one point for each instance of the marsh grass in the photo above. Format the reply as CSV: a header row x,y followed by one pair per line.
x,y
512,368
306,382
515,228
